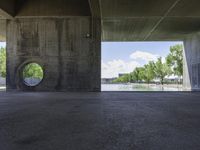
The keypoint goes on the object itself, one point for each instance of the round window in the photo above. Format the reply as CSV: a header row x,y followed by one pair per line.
x,y
32,74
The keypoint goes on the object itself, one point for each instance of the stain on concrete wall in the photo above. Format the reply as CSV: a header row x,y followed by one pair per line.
x,y
70,59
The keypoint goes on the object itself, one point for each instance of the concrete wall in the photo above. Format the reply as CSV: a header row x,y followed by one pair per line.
x,y
68,49
191,77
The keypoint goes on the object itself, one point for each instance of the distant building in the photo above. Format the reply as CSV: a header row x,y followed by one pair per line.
x,y
107,80
173,79
123,74
170,79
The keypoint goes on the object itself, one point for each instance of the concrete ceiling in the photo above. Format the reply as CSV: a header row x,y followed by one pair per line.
x,y
122,20
44,8
27,8
149,20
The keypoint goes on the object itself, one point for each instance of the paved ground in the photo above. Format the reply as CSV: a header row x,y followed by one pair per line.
x,y
99,121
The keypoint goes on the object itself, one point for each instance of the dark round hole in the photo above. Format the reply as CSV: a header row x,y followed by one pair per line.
x,y
32,74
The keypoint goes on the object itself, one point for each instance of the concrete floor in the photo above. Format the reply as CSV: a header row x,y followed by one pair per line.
x,y
99,121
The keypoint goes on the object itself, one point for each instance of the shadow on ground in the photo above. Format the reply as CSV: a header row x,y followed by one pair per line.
x,y
100,121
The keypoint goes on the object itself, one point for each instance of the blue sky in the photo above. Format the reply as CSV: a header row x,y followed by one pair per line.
x,y
123,57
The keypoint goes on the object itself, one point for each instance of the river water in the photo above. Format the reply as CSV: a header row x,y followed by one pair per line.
x,y
139,87
132,87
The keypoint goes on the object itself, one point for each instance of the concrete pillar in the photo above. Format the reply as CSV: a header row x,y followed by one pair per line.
x,y
68,49
191,76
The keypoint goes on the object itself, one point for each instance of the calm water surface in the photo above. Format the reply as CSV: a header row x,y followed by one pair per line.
x,y
131,87
139,87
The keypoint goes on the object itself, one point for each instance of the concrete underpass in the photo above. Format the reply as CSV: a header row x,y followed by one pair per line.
x,y
66,110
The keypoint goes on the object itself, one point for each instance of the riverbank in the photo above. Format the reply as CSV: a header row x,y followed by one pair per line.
x,y
164,85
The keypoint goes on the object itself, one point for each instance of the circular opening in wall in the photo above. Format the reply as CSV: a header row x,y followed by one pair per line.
x,y
32,74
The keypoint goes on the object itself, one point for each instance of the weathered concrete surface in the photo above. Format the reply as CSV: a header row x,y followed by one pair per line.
x,y
38,8
7,8
10,9
2,30
149,20
122,20
68,49
99,121
191,77
22,8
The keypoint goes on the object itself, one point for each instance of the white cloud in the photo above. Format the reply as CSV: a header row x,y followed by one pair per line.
x,y
113,68
140,55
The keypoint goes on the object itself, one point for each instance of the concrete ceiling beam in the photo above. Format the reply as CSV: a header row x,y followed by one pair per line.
x,y
95,8
7,9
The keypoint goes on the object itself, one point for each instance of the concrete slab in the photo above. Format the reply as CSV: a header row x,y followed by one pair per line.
x,y
128,29
134,8
186,8
169,20
183,14
175,28
99,121
27,8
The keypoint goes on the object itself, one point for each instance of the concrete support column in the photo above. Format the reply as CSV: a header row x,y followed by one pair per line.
x,y
191,76
68,49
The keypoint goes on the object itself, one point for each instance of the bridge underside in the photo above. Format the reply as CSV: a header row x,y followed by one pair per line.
x,y
64,37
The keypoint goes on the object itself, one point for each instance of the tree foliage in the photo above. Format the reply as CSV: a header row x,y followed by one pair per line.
x,y
136,75
175,59
140,74
162,70
33,70
148,72
30,70
123,79
157,70
2,62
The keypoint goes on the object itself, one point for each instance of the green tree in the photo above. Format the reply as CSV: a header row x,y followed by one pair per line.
x,y
33,70
148,72
162,70
175,59
2,62
123,79
135,75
